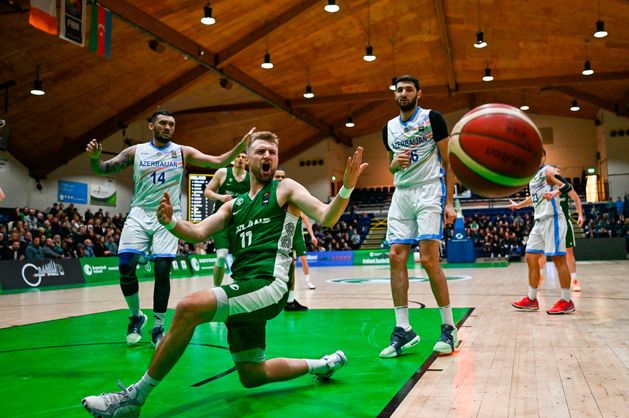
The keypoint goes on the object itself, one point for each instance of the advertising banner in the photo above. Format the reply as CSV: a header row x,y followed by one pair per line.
x,y
72,192
329,258
377,257
202,264
27,274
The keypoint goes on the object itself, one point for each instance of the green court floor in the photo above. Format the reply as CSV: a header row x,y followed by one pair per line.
x,y
46,368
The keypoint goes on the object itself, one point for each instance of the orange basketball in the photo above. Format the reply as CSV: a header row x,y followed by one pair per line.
x,y
495,150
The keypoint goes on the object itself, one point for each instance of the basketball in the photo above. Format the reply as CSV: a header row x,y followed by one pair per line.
x,y
495,150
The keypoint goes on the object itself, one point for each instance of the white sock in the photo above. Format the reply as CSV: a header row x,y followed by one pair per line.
x,y
446,315
532,293
573,276
565,294
158,319
291,296
133,302
317,366
542,273
401,317
307,278
145,386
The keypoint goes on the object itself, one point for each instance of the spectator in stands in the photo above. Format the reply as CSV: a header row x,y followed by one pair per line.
x,y
88,248
111,245
30,222
34,250
99,247
620,209
49,251
14,252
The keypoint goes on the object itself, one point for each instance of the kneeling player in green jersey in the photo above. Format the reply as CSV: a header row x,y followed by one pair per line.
x,y
263,224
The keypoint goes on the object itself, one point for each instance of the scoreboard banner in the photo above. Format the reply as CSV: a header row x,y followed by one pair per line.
x,y
199,207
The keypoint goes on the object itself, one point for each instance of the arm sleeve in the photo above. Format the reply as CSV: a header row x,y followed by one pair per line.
x,y
385,137
566,185
439,126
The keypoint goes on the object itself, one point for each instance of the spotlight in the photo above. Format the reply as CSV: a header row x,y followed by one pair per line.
x,y
38,89
600,29
587,68
488,76
480,40
350,122
267,64
369,56
524,106
207,18
331,7
308,93
392,86
575,106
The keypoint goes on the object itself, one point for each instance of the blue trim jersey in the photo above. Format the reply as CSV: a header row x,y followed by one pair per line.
x,y
155,171
538,186
420,134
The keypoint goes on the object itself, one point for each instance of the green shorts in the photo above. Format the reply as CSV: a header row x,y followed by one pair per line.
x,y
299,244
569,234
221,240
245,306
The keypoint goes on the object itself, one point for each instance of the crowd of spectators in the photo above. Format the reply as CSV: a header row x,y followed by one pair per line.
x,y
58,232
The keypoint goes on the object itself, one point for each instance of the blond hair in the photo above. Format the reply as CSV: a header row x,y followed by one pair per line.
x,y
263,136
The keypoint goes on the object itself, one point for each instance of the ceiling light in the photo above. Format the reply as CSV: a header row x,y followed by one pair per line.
x,y
308,93
480,40
369,56
587,68
207,18
38,89
331,7
575,106
524,106
600,29
488,76
392,86
267,64
349,122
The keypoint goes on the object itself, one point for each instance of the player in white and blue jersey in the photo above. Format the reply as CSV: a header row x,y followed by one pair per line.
x,y
547,238
417,142
158,167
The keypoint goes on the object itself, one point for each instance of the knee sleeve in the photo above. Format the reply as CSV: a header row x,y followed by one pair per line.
x,y
161,291
221,257
128,278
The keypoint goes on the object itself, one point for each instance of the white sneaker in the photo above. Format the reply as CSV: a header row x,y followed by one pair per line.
x,y
576,287
134,330
448,340
116,404
310,285
335,361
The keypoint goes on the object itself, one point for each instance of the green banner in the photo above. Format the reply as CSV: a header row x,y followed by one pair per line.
x,y
105,269
377,257
202,264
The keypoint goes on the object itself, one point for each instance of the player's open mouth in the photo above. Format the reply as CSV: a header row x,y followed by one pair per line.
x,y
266,167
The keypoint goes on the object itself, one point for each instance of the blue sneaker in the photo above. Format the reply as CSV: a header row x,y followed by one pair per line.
x,y
448,340
400,341
157,335
134,331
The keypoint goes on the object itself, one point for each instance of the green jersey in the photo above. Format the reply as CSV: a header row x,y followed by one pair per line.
x,y
232,187
262,236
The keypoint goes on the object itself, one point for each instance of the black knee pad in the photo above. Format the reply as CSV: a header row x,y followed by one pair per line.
x,y
161,291
128,279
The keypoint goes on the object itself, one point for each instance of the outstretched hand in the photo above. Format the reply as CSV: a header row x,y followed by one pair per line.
x,y
246,140
354,168
94,149
165,210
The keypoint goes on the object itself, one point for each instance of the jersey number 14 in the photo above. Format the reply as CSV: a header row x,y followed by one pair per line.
x,y
161,179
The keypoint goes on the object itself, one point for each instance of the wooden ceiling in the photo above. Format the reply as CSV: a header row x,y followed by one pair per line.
x,y
210,76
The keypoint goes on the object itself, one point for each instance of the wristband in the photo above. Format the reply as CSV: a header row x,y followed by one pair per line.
x,y
345,193
171,225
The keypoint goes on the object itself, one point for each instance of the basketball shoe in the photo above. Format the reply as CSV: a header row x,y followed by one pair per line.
x,y
157,335
134,331
117,404
526,304
334,361
561,307
310,285
295,306
400,341
448,340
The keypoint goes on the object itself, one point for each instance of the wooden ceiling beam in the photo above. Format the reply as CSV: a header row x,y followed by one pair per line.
x,y
586,97
235,107
445,45
71,148
541,82
154,27
229,54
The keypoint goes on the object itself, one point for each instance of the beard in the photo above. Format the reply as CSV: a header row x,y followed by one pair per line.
x,y
408,106
263,174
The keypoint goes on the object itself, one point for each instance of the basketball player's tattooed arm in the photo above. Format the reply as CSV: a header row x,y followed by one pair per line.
x,y
118,163
196,157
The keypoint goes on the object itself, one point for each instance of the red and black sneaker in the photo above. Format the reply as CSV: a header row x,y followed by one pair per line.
x,y
561,307
526,304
